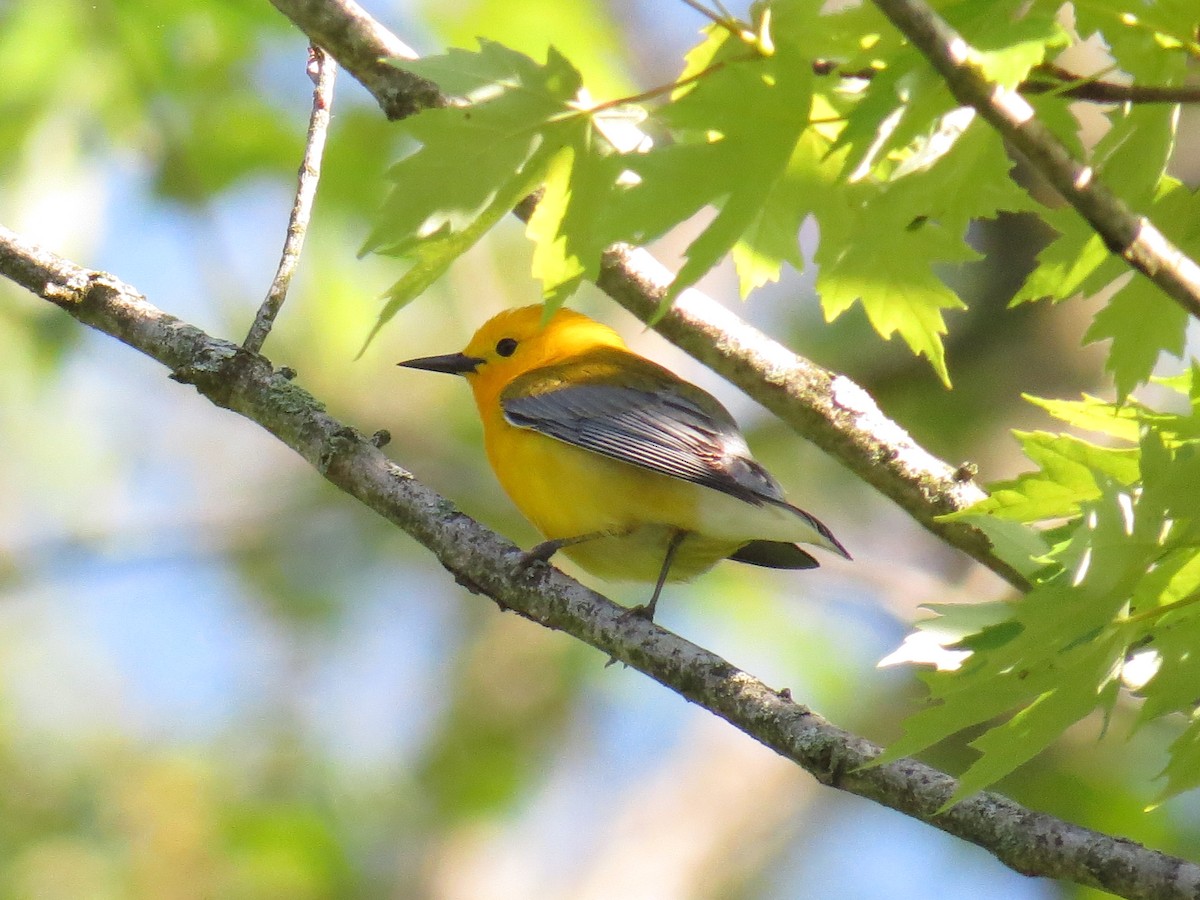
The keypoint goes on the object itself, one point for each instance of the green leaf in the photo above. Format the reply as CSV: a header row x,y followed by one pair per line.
x,y
1139,319
469,152
1183,771
881,243
1011,42
770,237
1134,36
1077,260
1171,477
1014,542
877,247
1053,112
1179,19
479,156
1128,421
1087,679
906,298
1070,472
434,255
955,622
496,73
1142,323
738,147
1181,383
963,699
906,115
1175,636
1093,414
991,637
971,181
589,32
901,106
566,226
1053,660
1131,157
1115,599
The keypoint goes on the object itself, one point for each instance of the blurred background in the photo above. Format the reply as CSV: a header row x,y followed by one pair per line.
x,y
220,677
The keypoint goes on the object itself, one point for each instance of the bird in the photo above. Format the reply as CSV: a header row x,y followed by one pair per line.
x,y
631,471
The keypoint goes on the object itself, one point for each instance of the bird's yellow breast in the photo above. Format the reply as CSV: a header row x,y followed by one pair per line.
x,y
568,492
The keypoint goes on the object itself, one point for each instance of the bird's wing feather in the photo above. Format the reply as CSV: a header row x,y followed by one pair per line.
x,y
775,555
662,424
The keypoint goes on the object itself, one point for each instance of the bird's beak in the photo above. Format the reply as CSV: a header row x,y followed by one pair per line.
x,y
450,363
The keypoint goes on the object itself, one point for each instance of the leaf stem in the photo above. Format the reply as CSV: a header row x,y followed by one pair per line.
x,y
666,88
1157,611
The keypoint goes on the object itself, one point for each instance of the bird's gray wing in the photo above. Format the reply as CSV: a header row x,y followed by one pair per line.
x,y
694,439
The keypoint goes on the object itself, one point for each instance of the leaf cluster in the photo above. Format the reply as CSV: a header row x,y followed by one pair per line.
x,y
887,167
1110,538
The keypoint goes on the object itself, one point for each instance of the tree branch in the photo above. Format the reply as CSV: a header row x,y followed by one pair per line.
x,y
1064,83
1030,842
1082,87
363,46
323,70
826,408
1133,237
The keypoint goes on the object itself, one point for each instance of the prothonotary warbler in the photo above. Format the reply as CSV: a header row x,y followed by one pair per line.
x,y
631,471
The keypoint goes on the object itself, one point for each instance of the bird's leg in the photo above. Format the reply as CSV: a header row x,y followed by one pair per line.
x,y
546,549
647,612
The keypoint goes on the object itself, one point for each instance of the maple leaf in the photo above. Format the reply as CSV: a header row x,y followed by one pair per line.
x,y
494,144
737,147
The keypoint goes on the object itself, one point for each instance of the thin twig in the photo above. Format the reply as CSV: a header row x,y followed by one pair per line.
x,y
723,9
1081,87
1067,82
1063,83
1028,841
322,69
729,24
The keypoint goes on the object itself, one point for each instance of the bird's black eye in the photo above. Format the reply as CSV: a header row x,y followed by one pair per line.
x,y
506,346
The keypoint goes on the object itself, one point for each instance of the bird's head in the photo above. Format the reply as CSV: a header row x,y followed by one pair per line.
x,y
517,341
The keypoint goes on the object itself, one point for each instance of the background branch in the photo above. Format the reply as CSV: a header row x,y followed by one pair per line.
x,y
826,408
1030,842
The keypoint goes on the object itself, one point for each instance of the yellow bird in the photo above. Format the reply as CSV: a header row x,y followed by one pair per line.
x,y
631,471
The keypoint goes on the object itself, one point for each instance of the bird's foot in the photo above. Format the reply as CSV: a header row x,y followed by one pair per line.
x,y
641,611
539,553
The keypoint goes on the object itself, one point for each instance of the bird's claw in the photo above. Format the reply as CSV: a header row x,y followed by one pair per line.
x,y
539,553
641,611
